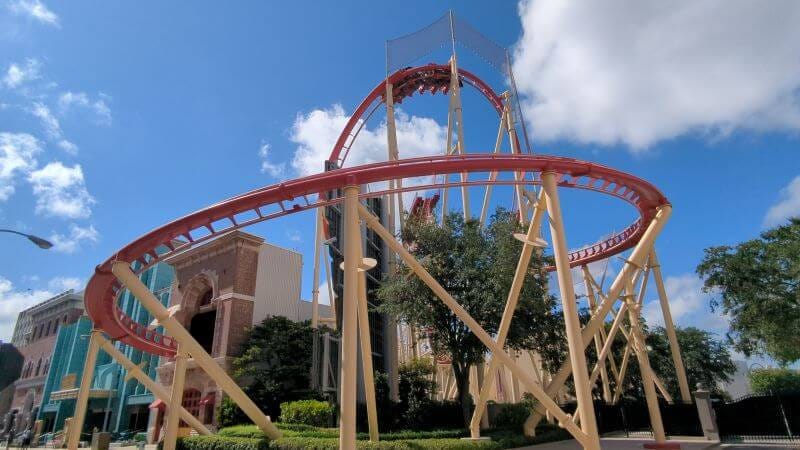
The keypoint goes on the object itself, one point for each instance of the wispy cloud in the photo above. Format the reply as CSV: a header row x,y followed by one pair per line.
x,y
77,236
51,125
60,191
17,156
34,9
18,74
102,113
788,205
275,170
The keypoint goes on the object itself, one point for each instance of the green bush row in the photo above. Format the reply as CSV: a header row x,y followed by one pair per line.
x,y
298,430
220,443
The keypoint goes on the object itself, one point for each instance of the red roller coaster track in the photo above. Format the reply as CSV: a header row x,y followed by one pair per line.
x,y
294,196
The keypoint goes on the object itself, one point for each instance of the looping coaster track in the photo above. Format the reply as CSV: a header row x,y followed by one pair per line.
x,y
342,185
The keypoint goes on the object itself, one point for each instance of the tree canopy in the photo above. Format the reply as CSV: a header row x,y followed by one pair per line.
x,y
757,285
706,358
476,266
275,363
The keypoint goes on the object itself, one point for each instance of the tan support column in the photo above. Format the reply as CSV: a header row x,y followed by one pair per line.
x,y
456,92
493,175
508,313
349,351
366,354
82,402
315,288
394,154
175,399
583,392
122,270
158,390
496,349
640,348
669,325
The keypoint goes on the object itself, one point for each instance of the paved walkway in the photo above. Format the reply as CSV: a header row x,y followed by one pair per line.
x,y
637,444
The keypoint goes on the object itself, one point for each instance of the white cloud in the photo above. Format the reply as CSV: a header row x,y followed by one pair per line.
x,y
316,132
275,170
13,300
788,205
68,147
72,242
60,191
17,155
294,236
69,100
34,9
18,74
324,295
640,72
60,284
688,304
49,122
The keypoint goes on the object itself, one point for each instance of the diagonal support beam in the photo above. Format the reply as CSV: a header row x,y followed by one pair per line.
x,y
636,259
669,325
158,390
497,350
122,270
508,313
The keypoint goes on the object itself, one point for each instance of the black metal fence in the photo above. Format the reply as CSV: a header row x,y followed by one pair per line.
x,y
762,418
631,418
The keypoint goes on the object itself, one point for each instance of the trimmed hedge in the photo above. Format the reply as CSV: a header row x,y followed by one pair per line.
x,y
296,437
220,443
307,412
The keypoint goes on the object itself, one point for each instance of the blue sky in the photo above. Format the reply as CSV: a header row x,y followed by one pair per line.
x,y
118,117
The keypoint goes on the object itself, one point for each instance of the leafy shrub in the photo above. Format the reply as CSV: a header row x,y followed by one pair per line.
x,y
308,412
511,415
774,381
229,414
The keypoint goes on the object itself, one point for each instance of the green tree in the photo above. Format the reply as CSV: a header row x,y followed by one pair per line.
x,y
706,358
757,285
275,363
774,381
476,266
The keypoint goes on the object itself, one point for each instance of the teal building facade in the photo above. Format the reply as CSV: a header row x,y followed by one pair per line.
x,y
117,403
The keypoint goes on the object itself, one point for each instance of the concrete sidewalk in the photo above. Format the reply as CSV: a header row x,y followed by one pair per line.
x,y
637,444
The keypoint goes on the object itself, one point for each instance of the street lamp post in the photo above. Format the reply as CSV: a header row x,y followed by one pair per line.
x,y
41,243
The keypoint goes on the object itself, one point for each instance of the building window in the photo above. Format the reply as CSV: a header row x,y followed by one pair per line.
x,y
38,367
191,402
47,331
